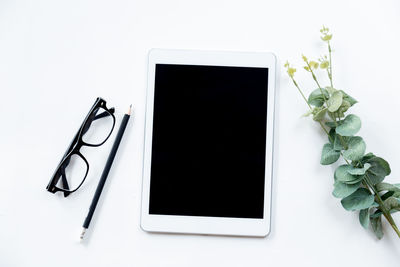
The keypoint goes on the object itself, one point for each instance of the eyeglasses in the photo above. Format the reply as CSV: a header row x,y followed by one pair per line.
x,y
73,167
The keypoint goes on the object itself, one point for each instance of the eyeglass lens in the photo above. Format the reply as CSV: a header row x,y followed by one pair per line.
x,y
100,127
73,170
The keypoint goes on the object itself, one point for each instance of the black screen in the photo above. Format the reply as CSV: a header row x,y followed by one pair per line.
x,y
209,135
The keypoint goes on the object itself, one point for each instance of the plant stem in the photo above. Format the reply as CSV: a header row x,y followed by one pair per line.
x,y
329,75
301,92
330,63
325,130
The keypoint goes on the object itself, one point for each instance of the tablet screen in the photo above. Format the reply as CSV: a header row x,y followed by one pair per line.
x,y
209,141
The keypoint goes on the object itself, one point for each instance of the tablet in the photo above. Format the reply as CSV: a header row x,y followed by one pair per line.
x,y
208,142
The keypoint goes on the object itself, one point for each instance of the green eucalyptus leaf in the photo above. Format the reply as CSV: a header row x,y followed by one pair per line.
x,y
329,155
356,148
342,175
379,169
359,179
335,101
350,126
316,98
376,223
319,113
367,157
388,187
360,199
359,171
342,190
348,98
392,203
364,218
379,166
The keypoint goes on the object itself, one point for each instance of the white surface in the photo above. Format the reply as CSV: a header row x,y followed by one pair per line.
x,y
59,55
197,224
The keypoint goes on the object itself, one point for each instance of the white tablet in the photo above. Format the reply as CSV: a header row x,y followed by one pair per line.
x,y
208,142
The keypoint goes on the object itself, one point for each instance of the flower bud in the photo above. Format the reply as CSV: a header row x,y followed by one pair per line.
x,y
313,64
326,37
324,64
291,72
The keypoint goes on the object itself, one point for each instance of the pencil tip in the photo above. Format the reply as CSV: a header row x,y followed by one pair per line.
x,y
130,110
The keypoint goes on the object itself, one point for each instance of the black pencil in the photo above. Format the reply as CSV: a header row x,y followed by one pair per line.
x,y
106,170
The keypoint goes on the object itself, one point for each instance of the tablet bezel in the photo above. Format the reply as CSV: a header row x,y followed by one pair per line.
x,y
198,224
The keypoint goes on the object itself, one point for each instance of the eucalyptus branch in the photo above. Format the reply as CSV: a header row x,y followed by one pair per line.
x,y
359,182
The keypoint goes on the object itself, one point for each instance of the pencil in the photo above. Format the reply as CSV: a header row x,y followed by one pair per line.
x,y
106,170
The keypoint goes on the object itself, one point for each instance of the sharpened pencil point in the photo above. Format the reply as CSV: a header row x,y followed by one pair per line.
x,y
130,110
83,233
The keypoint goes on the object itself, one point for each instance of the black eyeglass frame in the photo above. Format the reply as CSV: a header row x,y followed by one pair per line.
x,y
76,144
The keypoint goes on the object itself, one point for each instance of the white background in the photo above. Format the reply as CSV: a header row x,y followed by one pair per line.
x,y
56,57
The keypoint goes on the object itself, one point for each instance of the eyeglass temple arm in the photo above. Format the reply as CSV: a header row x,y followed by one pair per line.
x,y
104,114
99,116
